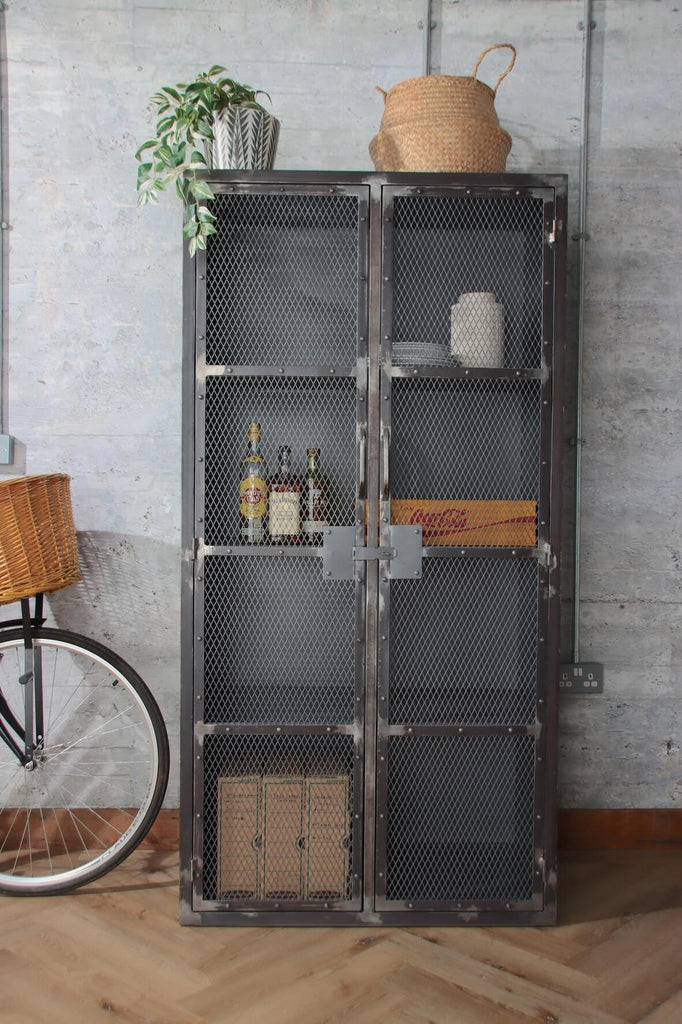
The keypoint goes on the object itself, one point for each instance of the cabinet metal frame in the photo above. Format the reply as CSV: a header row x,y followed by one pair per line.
x,y
375,378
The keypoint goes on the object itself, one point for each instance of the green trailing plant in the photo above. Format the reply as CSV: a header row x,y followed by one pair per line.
x,y
175,155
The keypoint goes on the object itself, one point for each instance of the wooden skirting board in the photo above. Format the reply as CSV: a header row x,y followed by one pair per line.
x,y
611,829
621,829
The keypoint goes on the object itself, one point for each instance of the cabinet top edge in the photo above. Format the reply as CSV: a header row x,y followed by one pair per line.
x,y
395,178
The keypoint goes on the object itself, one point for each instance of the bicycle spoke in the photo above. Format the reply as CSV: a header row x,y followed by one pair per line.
x,y
9,830
68,710
99,730
27,832
98,776
47,842
64,843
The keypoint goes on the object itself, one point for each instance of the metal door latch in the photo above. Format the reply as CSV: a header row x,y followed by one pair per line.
x,y
369,554
340,553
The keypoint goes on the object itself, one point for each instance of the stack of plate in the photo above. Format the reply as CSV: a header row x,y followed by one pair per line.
x,y
422,353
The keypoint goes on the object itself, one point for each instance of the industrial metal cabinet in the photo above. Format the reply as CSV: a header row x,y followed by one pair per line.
x,y
370,713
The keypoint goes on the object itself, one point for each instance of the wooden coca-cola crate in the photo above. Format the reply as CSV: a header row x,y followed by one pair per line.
x,y
494,523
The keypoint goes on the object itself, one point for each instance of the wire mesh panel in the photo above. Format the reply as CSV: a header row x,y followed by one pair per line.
x,y
487,249
465,459
279,642
460,822
299,412
282,279
464,643
278,823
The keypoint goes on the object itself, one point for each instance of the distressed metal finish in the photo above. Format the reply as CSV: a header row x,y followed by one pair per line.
x,y
374,706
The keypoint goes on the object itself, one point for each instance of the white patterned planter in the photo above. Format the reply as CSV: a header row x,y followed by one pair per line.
x,y
245,139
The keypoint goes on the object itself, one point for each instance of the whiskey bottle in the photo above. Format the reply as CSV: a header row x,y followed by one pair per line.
x,y
253,494
314,505
284,520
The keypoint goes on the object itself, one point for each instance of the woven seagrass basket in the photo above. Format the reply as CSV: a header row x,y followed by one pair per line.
x,y
37,537
442,123
457,146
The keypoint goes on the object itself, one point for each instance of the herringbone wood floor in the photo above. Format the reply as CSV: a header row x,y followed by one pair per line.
x,y
115,951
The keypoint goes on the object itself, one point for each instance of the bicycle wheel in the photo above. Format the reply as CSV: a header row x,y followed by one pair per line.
x,y
99,776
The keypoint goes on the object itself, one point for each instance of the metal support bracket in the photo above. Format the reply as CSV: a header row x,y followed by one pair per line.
x,y
337,553
340,553
407,541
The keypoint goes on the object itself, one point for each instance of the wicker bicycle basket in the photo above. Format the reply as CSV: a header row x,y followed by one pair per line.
x,y
442,123
37,537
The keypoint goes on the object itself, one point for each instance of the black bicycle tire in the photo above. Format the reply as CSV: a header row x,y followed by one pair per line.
x,y
54,884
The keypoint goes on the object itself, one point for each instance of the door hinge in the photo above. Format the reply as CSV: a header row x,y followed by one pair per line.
x,y
555,230
191,554
547,558
542,868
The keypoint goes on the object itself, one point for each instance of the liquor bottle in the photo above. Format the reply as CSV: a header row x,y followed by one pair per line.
x,y
253,493
284,520
314,510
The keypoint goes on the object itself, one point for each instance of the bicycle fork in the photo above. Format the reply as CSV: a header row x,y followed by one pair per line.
x,y
32,734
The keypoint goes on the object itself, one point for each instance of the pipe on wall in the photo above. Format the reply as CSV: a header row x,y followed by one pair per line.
x,y
427,28
582,238
3,223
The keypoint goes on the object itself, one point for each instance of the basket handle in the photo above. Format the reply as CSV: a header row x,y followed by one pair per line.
x,y
497,46
382,92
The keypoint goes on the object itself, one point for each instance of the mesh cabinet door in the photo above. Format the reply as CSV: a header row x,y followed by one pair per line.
x,y
281,328
466,417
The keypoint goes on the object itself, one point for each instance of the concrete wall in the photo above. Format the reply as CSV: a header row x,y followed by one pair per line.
x,y
92,324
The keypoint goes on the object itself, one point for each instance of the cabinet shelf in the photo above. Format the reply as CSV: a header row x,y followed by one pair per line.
x,y
301,550
506,552
254,729
508,373
284,277
442,247
312,370
300,412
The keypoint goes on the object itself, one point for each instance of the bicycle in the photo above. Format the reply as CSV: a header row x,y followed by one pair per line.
x,y
84,754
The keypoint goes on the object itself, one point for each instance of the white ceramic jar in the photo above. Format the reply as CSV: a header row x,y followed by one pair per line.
x,y
477,330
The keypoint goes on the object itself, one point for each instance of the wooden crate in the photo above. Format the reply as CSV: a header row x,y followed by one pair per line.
x,y
283,844
239,861
283,837
327,838
469,523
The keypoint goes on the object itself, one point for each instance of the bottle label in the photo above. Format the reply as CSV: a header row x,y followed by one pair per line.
x,y
253,497
314,499
285,518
